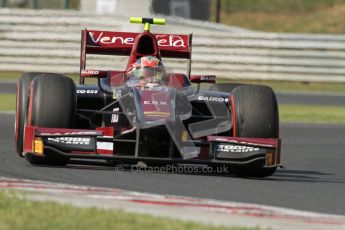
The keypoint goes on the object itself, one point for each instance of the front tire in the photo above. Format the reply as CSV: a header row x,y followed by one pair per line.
x,y
257,116
52,105
22,100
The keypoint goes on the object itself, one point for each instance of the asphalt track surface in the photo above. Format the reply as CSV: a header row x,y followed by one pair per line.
x,y
8,87
313,178
311,99
283,97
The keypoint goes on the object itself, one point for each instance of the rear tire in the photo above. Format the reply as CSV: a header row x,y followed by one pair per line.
x,y
53,105
256,116
22,101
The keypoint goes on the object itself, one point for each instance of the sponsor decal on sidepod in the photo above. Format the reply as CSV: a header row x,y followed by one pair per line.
x,y
212,99
88,91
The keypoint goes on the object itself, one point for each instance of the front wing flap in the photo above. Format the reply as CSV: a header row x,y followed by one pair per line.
x,y
77,143
240,149
73,141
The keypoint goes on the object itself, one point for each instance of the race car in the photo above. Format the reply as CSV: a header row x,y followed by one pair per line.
x,y
146,113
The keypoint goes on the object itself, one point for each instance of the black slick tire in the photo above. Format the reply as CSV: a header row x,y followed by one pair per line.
x,y
257,116
22,101
52,104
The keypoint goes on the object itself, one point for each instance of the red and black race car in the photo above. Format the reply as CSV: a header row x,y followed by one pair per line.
x,y
146,113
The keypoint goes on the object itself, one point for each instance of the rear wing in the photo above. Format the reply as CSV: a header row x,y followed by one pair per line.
x,y
121,43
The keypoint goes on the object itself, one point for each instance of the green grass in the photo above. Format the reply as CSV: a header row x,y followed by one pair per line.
x,y
278,5
9,75
14,76
288,113
310,16
7,102
327,87
312,114
18,213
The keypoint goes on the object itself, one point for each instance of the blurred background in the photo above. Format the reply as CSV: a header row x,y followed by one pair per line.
x,y
265,15
296,46
242,39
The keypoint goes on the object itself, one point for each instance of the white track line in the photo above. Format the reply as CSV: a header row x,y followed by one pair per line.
x,y
7,112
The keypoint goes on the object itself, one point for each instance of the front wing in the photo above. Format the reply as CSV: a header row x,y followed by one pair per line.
x,y
99,144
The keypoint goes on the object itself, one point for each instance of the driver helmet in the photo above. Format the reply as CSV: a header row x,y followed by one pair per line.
x,y
148,69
